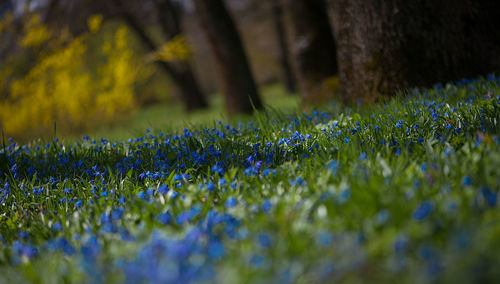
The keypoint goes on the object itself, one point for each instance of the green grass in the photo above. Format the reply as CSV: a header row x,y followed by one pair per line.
x,y
172,116
401,192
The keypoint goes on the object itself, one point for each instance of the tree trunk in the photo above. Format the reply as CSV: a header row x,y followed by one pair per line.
x,y
180,72
237,82
287,73
314,49
169,18
384,46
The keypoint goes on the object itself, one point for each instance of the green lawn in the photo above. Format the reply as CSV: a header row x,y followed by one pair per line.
x,y
171,116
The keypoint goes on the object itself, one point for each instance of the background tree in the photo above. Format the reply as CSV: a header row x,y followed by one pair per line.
x,y
314,49
139,16
288,77
5,7
237,82
168,15
387,45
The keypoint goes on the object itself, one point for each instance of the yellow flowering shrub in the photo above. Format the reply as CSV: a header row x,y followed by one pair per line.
x,y
94,23
36,33
175,49
67,88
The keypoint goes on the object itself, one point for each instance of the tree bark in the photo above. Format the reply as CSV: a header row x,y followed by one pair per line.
x,y
385,46
169,18
182,76
286,68
314,49
236,79
180,71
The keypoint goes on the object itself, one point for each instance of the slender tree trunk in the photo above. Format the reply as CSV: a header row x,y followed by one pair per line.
x,y
180,72
386,45
237,82
314,49
287,73
169,18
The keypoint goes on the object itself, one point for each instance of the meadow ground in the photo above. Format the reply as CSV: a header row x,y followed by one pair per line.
x,y
171,116
403,191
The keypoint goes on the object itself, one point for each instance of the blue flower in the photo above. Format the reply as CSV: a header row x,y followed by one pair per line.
x,y
164,218
163,189
400,244
426,252
79,204
218,170
231,202
57,226
25,250
211,186
344,196
268,172
215,250
423,167
91,249
126,236
466,181
117,213
363,156
324,238
257,260
177,178
142,195
382,216
23,234
301,181
489,196
422,211
334,165
187,215
222,182
266,206
65,246
264,240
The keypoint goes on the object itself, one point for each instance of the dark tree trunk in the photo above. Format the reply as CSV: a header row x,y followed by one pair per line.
x,y
5,7
169,18
237,82
287,73
314,49
180,72
387,45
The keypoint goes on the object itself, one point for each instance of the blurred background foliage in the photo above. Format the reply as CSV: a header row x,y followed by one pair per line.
x,y
97,77
71,82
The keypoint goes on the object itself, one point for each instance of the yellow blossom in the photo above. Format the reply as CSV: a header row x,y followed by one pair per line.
x,y
94,23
